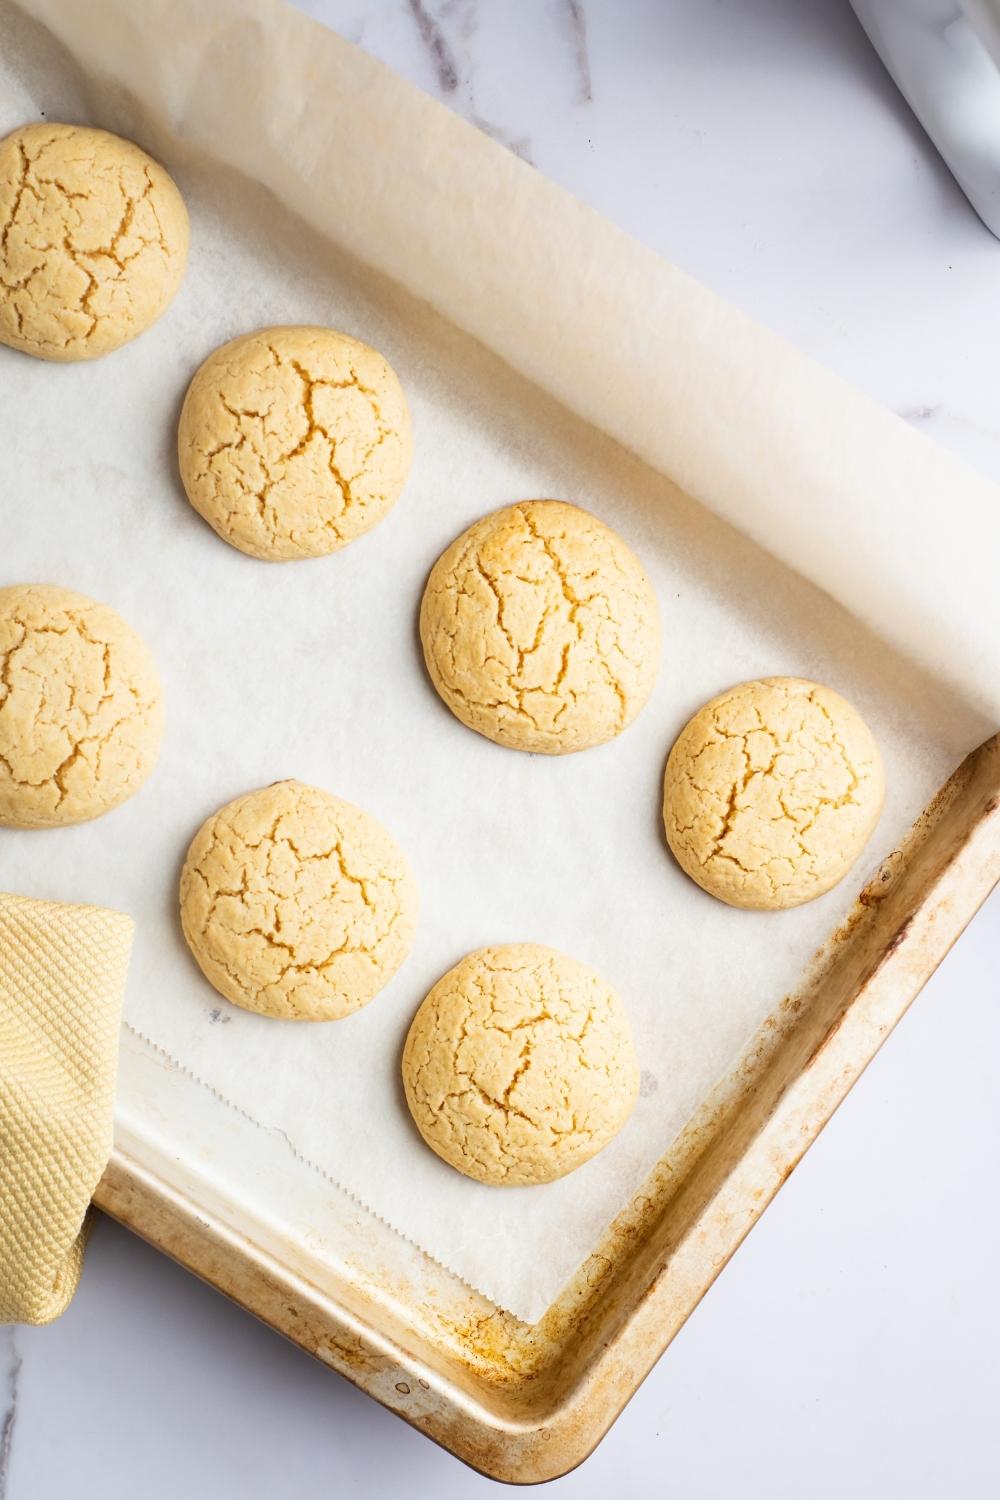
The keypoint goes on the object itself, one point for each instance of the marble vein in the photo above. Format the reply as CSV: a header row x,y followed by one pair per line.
x,y
919,413
444,32
9,1419
436,43
578,31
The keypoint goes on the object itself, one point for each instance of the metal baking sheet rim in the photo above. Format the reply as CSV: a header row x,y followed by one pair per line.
x,y
527,1403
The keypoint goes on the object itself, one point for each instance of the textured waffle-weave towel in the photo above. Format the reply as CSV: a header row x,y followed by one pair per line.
x,y
62,980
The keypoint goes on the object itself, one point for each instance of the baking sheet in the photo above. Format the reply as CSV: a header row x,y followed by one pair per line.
x,y
313,669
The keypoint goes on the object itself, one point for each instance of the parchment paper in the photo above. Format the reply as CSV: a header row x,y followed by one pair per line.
x,y
313,669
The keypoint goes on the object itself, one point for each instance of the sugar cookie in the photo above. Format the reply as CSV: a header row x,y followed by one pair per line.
x,y
519,1065
297,904
540,629
293,441
94,241
81,711
771,792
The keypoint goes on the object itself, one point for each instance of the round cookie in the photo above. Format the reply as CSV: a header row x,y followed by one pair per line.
x,y
540,629
297,904
94,242
81,711
519,1065
771,792
294,441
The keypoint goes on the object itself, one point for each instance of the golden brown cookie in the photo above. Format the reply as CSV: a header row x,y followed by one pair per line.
x,y
294,441
540,629
519,1065
81,710
297,904
94,241
771,792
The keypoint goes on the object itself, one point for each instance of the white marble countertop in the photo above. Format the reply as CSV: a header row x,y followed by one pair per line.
x,y
850,1346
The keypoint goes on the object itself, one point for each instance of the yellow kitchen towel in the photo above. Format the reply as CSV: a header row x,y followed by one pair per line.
x,y
62,981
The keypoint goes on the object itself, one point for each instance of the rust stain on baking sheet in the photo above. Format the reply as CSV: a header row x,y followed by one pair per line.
x,y
894,941
898,937
487,1342
354,1354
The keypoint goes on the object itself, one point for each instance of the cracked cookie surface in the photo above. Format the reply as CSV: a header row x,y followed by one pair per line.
x,y
93,241
519,1065
81,710
294,441
771,792
297,904
540,629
